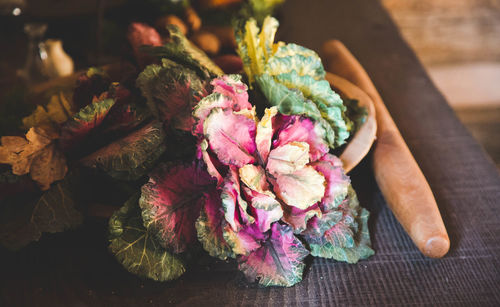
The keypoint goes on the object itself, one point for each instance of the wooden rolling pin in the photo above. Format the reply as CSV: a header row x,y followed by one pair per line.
x,y
397,173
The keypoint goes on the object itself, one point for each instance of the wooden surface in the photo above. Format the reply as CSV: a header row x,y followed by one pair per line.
x,y
75,269
484,124
449,31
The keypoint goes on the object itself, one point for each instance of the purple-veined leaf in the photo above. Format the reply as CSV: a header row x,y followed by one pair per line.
x,y
347,240
76,129
172,91
303,129
245,240
298,218
278,262
171,203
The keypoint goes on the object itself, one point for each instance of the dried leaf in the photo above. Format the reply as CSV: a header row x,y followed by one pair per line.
x,y
35,154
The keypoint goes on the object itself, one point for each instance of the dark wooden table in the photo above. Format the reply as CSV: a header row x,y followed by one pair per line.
x,y
75,269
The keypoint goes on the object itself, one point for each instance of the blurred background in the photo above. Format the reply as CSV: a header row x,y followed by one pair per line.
x,y
458,41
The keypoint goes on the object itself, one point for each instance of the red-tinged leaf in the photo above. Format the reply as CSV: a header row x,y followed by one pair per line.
x,y
171,203
317,225
75,130
302,129
279,262
232,87
235,207
298,218
337,183
140,34
214,167
229,93
244,241
348,239
209,227
172,91
231,137
125,114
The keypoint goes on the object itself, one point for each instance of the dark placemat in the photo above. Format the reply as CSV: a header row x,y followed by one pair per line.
x,y
74,268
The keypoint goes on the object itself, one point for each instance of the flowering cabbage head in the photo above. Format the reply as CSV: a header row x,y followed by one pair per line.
x,y
275,195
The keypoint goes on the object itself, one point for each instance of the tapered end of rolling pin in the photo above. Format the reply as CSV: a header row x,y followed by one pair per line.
x,y
398,175
436,247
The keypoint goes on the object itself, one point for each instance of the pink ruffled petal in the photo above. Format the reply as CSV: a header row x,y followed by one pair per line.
x,y
231,137
337,183
232,87
302,129
235,208
213,165
264,207
244,241
229,93
298,218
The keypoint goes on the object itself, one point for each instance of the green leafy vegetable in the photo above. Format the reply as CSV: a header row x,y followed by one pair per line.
x,y
172,90
131,157
78,128
348,239
136,249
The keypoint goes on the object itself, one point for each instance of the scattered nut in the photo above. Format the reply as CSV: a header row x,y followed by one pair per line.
x,y
192,19
162,22
207,42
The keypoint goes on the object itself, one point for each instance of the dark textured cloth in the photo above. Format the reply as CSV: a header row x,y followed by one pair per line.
x,y
74,269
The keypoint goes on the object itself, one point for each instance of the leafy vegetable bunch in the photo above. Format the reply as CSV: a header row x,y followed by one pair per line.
x,y
198,163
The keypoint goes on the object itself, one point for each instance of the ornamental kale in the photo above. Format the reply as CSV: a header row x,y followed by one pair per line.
x,y
264,191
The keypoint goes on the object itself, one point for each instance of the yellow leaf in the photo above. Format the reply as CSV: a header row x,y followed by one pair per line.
x,y
48,166
36,154
58,110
